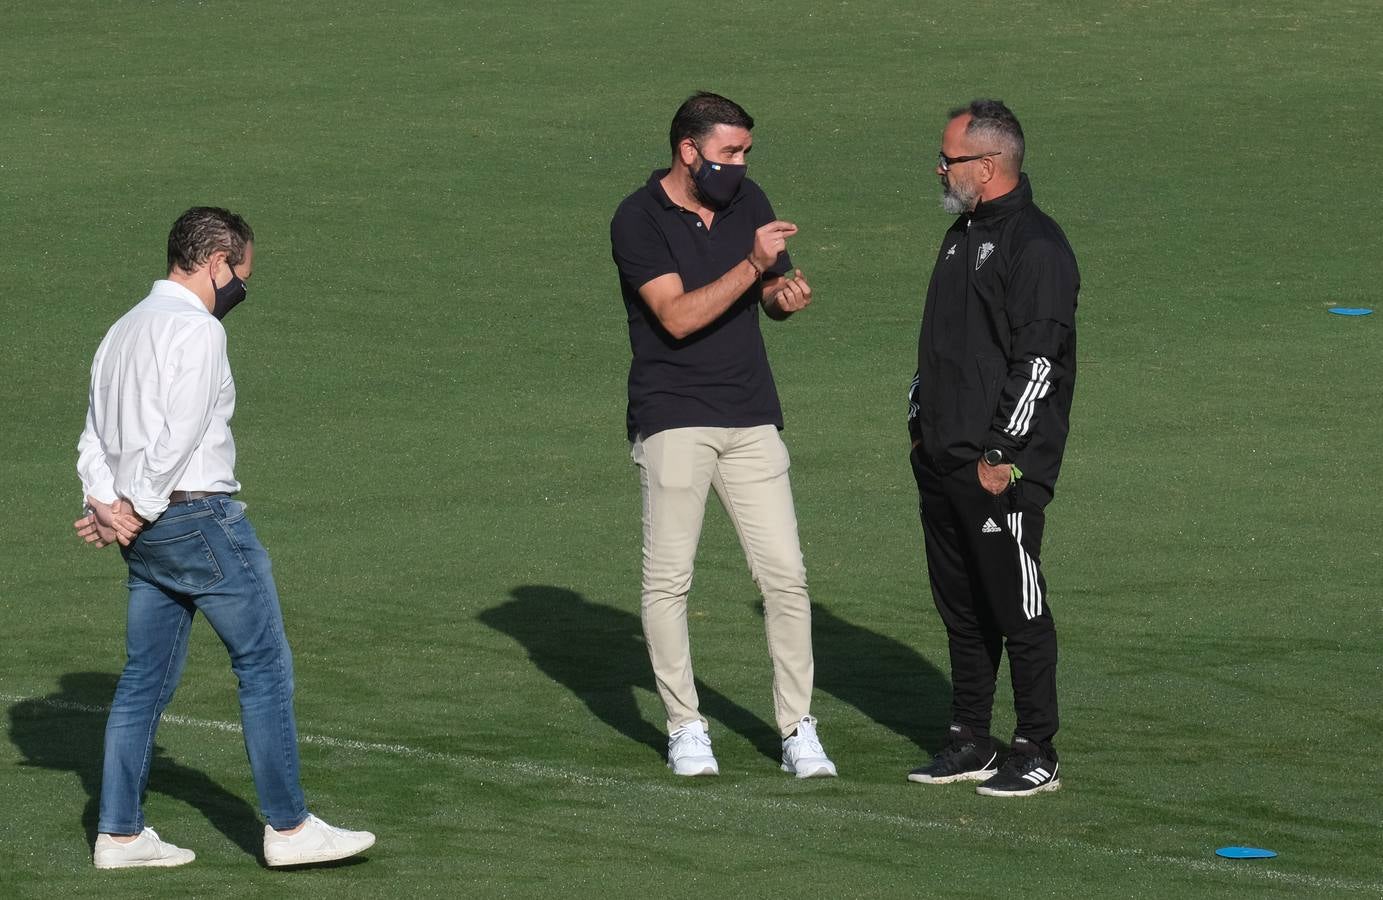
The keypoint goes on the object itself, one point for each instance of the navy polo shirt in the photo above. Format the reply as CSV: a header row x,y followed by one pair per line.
x,y
718,376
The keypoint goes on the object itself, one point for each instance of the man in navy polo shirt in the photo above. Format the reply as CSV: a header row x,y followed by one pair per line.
x,y
699,252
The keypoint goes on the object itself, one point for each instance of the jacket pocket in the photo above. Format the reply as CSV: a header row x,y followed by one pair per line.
x,y
991,376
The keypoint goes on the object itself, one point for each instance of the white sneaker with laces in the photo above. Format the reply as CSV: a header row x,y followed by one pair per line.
x,y
317,842
145,850
803,754
689,751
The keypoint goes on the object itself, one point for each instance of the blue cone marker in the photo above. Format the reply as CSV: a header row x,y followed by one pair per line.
x,y
1245,853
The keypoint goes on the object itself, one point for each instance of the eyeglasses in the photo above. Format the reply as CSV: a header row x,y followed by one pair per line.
x,y
944,162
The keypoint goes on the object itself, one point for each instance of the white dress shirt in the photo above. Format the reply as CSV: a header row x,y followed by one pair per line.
x,y
162,396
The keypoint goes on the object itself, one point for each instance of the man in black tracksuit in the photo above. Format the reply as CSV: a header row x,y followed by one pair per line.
x,y
989,413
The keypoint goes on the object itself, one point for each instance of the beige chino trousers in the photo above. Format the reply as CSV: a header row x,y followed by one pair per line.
x,y
748,468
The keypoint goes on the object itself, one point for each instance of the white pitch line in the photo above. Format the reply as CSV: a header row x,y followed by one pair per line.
x,y
525,770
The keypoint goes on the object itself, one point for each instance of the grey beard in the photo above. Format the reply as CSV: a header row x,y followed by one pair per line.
x,y
954,202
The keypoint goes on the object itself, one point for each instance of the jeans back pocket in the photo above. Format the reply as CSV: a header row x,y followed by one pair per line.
x,y
186,560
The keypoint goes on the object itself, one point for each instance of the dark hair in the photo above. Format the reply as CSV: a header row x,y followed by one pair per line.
x,y
701,113
202,231
991,120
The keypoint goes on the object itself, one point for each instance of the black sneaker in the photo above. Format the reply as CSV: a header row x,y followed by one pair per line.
x,y
1028,769
962,759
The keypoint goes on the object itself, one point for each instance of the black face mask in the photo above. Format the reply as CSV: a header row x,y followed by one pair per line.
x,y
228,294
717,183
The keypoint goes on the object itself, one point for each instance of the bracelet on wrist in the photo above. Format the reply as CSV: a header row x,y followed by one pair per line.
x,y
758,272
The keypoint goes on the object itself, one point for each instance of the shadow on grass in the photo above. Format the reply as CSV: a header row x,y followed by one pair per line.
x,y
883,678
597,652
65,732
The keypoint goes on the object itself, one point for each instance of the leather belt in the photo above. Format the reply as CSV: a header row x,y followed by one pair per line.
x,y
189,496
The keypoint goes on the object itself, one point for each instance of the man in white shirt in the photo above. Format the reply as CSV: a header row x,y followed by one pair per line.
x,y
157,465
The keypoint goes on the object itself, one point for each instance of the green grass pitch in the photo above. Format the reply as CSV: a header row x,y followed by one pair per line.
x,y
431,377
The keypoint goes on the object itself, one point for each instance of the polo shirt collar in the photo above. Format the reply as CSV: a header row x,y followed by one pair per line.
x,y
167,288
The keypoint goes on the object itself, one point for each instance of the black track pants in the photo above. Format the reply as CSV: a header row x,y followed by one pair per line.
x,y
983,560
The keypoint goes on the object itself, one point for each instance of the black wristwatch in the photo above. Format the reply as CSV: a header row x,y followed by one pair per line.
x,y
995,457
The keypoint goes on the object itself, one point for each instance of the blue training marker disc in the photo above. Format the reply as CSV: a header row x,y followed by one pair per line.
x,y
1350,310
1245,853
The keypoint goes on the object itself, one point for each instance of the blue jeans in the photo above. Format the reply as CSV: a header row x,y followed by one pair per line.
x,y
202,555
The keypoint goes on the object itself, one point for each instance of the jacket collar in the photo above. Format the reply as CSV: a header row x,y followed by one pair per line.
x,y
1008,204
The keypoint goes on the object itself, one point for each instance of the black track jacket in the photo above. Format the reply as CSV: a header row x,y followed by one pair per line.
x,y
996,359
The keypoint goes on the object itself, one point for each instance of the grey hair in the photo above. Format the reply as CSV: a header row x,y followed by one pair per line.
x,y
996,126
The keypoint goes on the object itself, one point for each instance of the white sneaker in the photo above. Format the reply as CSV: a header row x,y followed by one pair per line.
x,y
803,755
316,842
145,850
689,751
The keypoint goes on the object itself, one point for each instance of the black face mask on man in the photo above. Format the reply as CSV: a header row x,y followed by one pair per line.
x,y
228,294
717,183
